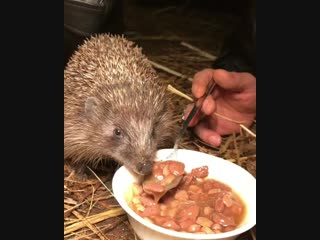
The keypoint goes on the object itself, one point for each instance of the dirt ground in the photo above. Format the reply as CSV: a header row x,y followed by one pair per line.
x,y
159,29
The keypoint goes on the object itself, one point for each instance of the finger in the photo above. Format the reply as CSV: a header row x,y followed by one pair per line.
x,y
234,80
207,135
209,105
201,81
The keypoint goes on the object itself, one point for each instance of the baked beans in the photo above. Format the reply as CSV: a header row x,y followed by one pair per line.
x,y
197,205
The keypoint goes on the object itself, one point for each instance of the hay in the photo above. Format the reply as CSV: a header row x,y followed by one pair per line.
x,y
74,225
199,51
159,66
90,210
236,148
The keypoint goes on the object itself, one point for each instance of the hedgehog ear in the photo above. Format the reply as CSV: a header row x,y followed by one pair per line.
x,y
91,106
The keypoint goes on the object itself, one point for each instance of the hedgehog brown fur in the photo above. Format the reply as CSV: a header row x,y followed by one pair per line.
x,y
115,106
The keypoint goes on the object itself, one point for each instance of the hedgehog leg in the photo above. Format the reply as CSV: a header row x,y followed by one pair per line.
x,y
78,173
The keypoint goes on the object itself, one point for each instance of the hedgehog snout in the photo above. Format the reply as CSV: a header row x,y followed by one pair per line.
x,y
144,168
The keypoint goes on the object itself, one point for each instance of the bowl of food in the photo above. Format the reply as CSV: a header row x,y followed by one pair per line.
x,y
213,198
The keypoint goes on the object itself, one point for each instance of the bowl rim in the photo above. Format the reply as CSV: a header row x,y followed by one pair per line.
x,y
122,202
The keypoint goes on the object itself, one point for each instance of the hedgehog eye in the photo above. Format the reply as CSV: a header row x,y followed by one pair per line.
x,y
117,133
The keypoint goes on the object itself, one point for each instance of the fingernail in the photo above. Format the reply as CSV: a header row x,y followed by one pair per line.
x,y
215,140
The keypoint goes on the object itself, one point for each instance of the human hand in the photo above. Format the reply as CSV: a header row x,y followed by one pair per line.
x,y
233,101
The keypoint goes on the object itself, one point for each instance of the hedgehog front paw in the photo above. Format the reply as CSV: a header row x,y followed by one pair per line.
x,y
78,175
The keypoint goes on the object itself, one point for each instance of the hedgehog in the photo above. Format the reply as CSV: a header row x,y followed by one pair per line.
x,y
115,106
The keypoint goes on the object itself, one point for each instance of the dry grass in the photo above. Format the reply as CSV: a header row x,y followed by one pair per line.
x,y
90,210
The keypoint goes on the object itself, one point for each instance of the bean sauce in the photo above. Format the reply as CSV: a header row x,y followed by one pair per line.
x,y
197,205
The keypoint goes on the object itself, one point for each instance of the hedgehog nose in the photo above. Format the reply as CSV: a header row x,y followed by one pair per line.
x,y
144,168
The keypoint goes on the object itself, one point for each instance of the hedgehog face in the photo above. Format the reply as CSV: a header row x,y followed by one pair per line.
x,y
128,136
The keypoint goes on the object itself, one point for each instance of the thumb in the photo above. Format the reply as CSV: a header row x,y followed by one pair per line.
x,y
207,135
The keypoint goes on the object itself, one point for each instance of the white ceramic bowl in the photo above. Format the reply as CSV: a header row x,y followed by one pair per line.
x,y
241,181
